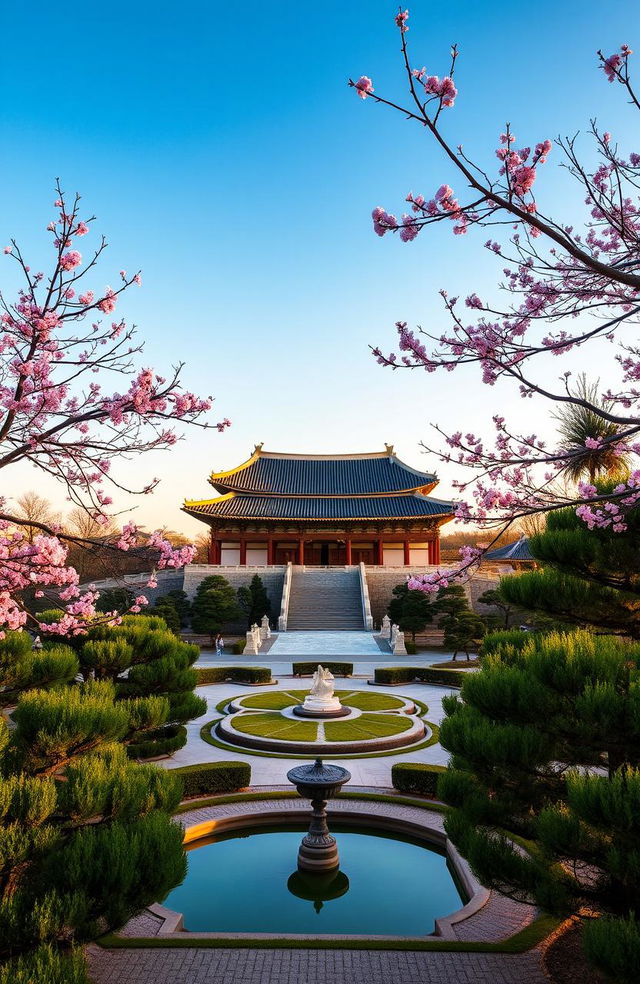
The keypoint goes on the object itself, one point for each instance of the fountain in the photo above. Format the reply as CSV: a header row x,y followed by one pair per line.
x,y
318,782
321,701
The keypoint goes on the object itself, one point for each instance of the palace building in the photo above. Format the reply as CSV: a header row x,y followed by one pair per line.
x,y
327,510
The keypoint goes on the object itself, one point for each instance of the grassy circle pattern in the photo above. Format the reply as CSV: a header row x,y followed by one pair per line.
x,y
277,700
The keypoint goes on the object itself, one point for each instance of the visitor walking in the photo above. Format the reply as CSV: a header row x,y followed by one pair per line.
x,y
219,644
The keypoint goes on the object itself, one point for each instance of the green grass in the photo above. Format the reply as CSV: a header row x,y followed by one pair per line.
x,y
276,700
227,746
527,938
367,726
371,701
273,700
275,726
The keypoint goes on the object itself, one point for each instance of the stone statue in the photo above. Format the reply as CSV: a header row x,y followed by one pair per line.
x,y
322,683
320,701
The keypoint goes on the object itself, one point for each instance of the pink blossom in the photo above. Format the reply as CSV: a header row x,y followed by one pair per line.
x,y
401,21
364,85
108,302
523,179
8,249
81,229
71,260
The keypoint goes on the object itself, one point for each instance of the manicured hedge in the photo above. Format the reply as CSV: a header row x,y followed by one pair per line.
x,y
238,647
416,777
338,669
167,741
425,674
236,674
411,648
213,777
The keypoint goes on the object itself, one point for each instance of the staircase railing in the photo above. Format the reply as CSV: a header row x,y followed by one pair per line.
x,y
367,617
286,592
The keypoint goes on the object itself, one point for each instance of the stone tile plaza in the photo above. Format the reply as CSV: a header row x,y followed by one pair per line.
x,y
320,511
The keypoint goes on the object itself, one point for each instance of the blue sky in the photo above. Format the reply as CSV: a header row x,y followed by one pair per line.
x,y
223,153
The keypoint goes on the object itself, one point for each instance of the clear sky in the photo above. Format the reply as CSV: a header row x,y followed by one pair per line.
x,y
222,152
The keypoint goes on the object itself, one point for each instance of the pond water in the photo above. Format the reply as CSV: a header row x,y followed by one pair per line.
x,y
247,883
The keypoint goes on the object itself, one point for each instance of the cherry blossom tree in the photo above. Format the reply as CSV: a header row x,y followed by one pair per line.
x,y
565,285
64,348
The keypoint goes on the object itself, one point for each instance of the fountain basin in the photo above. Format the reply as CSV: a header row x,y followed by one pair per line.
x,y
245,884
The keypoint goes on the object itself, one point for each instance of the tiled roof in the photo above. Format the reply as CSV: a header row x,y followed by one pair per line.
x,y
317,475
318,508
513,551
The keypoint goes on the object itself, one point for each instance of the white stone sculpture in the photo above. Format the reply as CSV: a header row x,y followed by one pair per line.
x,y
320,699
251,647
399,648
265,628
385,631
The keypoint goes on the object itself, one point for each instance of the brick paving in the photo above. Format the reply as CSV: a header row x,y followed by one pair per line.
x,y
193,966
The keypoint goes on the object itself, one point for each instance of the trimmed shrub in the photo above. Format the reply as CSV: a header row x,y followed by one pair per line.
x,y
236,674
338,669
238,647
411,648
213,777
416,777
163,741
424,674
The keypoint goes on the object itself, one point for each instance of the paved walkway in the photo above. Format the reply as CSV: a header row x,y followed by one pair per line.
x,y
327,645
193,966
268,771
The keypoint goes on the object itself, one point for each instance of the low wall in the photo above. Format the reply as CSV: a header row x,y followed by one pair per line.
x,y
382,580
272,578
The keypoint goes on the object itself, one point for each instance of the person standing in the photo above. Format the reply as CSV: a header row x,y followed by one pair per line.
x,y
219,644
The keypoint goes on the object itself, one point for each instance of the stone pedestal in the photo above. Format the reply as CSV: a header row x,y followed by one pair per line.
x,y
318,851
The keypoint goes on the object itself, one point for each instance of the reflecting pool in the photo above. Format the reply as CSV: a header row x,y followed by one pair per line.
x,y
246,882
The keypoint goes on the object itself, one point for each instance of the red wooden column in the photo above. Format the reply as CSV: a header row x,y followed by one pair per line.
x,y
270,551
243,553
379,554
213,550
348,556
301,551
436,550
407,553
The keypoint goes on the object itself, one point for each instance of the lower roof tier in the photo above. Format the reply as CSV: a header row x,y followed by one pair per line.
x,y
321,508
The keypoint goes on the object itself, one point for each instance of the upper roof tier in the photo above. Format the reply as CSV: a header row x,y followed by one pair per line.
x,y
270,473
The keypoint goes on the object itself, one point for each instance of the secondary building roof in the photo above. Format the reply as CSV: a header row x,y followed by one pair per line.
x,y
513,551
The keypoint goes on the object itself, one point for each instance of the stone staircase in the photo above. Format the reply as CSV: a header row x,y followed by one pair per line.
x,y
326,600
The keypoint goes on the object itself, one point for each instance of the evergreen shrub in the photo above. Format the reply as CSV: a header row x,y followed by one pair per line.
x,y
239,674
338,669
238,647
213,777
495,642
416,777
162,741
424,674
411,648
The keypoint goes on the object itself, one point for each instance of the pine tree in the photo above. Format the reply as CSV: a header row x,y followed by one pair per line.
x,y
214,606
254,601
590,578
529,738
463,629
78,856
143,659
412,611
